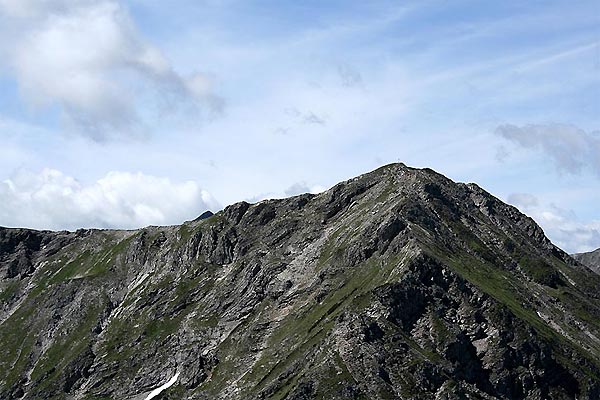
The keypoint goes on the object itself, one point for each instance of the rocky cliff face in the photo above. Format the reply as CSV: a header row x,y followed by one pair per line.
x,y
590,259
398,284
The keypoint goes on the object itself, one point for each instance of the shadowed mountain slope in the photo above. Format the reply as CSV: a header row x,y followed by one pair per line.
x,y
397,284
590,259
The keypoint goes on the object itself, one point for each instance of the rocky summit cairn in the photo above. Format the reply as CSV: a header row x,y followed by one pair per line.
x,y
397,284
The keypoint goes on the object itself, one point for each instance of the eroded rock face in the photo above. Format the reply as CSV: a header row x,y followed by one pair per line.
x,y
397,284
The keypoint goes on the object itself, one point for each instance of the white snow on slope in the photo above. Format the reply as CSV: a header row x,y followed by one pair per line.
x,y
162,388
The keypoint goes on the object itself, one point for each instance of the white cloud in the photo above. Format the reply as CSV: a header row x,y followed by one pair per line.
x,y
53,200
301,188
524,200
87,58
571,149
562,226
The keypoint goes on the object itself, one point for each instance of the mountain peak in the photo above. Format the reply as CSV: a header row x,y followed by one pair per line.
x,y
398,283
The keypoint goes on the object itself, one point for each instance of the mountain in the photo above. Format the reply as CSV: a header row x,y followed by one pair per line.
x,y
590,259
397,284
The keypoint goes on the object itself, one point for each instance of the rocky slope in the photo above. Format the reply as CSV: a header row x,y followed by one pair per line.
x,y
590,259
398,284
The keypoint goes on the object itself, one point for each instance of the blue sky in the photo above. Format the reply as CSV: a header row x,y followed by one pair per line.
x,y
128,113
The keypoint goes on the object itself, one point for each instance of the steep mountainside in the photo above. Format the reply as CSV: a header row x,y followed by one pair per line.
x,y
591,259
398,284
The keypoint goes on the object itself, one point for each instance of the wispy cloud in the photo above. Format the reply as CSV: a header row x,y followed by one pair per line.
x,y
558,56
303,117
570,149
349,76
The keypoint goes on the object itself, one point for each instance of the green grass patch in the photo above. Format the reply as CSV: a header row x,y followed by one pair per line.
x,y
541,271
9,291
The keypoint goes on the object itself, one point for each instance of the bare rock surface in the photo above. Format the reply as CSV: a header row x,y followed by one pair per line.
x,y
590,259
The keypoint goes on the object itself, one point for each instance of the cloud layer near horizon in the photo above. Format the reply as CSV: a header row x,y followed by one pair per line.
x,y
53,200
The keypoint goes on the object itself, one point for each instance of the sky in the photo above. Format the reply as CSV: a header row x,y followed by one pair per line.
x,y
127,113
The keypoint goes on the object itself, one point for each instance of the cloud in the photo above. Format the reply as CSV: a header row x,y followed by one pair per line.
x,y
502,153
53,200
572,150
349,76
308,117
87,58
560,225
295,189
524,200
301,188
312,118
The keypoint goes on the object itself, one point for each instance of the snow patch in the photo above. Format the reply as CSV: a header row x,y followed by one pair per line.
x,y
162,388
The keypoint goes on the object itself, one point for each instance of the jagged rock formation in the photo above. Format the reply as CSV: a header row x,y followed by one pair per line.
x,y
398,284
590,259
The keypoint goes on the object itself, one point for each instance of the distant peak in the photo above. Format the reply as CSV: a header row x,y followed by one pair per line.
x,y
204,215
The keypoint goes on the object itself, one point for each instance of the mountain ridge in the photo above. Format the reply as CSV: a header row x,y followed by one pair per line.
x,y
398,283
